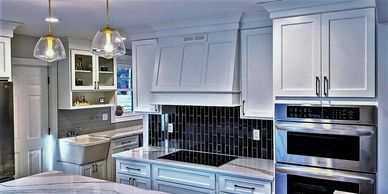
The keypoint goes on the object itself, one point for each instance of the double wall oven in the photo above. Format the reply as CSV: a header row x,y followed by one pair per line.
x,y
325,149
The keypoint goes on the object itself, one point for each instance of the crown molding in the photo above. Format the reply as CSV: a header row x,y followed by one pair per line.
x,y
289,8
7,28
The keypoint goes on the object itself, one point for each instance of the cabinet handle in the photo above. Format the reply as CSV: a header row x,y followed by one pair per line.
x,y
243,187
98,84
317,86
93,169
136,169
156,108
134,182
243,107
130,180
326,86
95,85
96,167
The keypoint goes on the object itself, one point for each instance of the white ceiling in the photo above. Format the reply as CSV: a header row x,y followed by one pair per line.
x,y
82,18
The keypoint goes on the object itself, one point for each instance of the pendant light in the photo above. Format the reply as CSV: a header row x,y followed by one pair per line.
x,y
49,47
108,42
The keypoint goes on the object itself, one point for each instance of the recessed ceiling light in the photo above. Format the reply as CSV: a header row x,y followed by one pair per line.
x,y
51,19
123,38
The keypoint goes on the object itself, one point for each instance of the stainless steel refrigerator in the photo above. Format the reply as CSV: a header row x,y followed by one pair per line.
x,y
7,150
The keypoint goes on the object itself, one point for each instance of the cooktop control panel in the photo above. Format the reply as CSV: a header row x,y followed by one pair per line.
x,y
334,113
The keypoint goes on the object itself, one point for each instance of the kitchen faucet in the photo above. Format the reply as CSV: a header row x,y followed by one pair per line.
x,y
73,132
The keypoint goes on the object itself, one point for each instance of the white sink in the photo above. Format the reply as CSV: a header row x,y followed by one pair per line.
x,y
83,149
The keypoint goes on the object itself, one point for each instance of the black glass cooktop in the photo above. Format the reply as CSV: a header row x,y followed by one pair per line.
x,y
199,158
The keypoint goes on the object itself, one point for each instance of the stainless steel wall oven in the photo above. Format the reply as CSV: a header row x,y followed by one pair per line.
x,y
320,149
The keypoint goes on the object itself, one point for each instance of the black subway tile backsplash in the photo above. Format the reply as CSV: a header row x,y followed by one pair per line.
x,y
216,130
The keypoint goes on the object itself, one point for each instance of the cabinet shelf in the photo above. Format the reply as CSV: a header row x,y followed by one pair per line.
x,y
91,106
83,71
106,72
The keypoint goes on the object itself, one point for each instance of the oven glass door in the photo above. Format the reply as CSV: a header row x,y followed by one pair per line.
x,y
293,179
307,185
326,146
344,147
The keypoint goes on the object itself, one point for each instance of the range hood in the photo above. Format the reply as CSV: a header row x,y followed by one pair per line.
x,y
199,69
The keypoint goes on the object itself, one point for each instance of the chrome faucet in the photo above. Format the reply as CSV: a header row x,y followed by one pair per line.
x,y
73,132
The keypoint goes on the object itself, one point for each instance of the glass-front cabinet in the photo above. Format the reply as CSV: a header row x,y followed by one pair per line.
x,y
106,73
90,72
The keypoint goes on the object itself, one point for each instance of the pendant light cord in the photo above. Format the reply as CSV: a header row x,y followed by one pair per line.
x,y
107,12
49,12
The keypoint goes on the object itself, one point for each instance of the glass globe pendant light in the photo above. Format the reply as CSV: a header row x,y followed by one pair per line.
x,y
108,42
49,47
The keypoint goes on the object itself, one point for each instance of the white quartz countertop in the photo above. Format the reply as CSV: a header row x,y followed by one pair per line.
x,y
119,133
58,182
242,166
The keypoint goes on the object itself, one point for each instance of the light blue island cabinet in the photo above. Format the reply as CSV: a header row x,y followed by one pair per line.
x,y
142,168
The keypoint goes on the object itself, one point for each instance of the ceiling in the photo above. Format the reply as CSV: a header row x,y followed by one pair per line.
x,y
82,18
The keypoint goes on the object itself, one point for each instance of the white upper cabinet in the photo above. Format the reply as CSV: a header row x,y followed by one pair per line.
x,y
348,53
143,62
5,58
256,61
297,53
90,72
325,55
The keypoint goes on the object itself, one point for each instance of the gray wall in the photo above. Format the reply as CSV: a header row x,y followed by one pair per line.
x,y
90,120
23,46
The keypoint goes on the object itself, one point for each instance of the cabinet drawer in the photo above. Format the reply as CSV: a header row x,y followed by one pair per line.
x,y
140,182
183,176
179,188
133,168
125,142
240,185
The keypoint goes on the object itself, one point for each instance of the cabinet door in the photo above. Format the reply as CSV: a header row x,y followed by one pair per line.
x,y
140,182
83,70
87,170
143,63
256,60
297,56
5,58
174,188
100,170
348,53
106,73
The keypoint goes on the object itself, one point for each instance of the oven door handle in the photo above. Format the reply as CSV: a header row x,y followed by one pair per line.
x,y
326,174
332,129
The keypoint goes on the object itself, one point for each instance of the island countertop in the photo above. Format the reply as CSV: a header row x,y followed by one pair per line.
x,y
243,166
58,182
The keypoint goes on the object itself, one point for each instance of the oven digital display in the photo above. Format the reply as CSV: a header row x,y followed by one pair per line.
x,y
333,113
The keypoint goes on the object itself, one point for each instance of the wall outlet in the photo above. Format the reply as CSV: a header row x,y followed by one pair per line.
x,y
170,128
256,134
105,117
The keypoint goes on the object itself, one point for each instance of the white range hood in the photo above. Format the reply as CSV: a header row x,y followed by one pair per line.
x,y
199,69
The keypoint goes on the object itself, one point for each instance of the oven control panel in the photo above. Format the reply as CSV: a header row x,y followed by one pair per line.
x,y
333,113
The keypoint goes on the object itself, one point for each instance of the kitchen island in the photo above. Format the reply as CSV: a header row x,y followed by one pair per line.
x,y
58,182
143,167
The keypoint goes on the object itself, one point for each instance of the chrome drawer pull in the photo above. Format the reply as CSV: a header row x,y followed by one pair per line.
x,y
136,169
134,182
243,187
130,180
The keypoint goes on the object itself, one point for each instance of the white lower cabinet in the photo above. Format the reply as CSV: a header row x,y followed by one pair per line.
x,y
228,184
176,188
178,180
140,182
94,170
